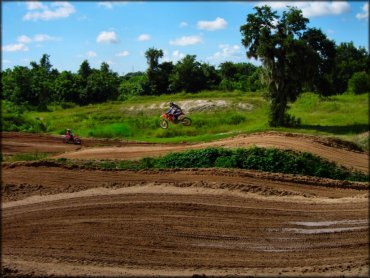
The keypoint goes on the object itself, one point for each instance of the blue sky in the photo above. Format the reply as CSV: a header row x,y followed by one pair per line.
x,y
119,33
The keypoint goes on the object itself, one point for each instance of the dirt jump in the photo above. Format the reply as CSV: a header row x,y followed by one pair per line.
x,y
58,221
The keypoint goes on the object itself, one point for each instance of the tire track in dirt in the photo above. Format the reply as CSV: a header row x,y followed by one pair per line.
x,y
172,232
180,222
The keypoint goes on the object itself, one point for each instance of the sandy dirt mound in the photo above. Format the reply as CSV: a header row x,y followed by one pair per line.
x,y
194,106
60,221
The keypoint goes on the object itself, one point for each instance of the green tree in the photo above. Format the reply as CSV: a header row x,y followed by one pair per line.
x,y
187,75
288,53
348,61
133,85
236,76
85,70
153,72
228,70
102,85
359,83
210,76
66,88
42,82
163,77
16,85
83,74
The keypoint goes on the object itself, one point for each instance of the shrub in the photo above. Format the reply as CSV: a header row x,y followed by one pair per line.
x,y
268,160
359,83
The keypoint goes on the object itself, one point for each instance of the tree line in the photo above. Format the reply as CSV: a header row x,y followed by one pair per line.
x,y
41,84
294,58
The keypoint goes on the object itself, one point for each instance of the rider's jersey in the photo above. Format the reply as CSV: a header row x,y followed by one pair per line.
x,y
174,109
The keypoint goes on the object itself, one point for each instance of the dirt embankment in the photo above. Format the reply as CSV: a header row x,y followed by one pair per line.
x,y
79,222
343,153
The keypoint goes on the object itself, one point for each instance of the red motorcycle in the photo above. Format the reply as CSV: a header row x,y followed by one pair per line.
x,y
72,139
165,118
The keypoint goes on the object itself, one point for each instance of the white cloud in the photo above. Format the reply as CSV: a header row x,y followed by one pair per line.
x,y
122,53
38,11
183,24
187,40
325,8
175,56
109,5
110,37
35,6
91,54
144,37
313,8
7,61
330,31
24,39
15,47
37,38
364,15
227,52
217,24
44,37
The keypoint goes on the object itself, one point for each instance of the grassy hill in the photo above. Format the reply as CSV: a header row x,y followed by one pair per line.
x,y
214,114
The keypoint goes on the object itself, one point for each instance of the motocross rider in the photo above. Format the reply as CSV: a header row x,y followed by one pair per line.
x,y
69,134
174,110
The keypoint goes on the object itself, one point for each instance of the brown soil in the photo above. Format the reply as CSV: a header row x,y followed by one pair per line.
x,y
344,153
77,222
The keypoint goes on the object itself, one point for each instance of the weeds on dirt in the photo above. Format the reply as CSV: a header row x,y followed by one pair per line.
x,y
263,159
24,157
255,158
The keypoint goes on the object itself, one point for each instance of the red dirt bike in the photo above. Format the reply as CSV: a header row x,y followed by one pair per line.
x,y
74,139
165,119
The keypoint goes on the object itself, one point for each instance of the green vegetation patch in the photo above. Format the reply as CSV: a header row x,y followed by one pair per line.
x,y
262,159
24,157
111,131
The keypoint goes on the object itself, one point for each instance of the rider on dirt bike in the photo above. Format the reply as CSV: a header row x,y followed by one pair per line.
x,y
174,110
69,134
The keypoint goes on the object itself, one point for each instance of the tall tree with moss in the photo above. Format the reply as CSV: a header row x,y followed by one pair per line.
x,y
292,55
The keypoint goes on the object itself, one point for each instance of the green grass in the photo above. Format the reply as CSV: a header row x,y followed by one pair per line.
x,y
134,120
342,116
24,157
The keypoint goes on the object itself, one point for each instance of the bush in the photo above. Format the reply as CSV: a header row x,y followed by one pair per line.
x,y
359,83
268,160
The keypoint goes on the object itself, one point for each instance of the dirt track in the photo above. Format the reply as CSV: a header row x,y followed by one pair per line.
x,y
59,221
110,149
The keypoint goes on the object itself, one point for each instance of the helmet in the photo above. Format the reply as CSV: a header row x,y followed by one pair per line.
x,y
68,129
171,103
